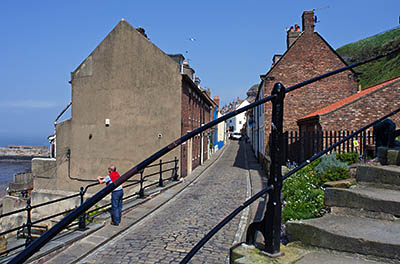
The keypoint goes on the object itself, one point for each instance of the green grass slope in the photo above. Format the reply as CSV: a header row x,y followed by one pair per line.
x,y
378,71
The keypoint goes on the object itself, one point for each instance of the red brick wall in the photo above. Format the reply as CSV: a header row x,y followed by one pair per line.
x,y
308,57
365,110
194,111
185,126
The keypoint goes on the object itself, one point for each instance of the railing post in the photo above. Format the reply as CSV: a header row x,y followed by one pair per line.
x,y
160,181
82,218
141,191
270,225
28,222
273,214
176,169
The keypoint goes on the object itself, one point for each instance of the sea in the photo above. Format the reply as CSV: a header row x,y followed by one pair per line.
x,y
8,169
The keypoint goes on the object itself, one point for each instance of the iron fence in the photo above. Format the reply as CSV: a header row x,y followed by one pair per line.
x,y
298,147
26,229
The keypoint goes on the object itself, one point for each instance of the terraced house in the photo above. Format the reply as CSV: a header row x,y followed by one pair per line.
x,y
308,55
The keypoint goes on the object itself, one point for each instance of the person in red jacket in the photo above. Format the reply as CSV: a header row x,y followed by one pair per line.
x,y
116,195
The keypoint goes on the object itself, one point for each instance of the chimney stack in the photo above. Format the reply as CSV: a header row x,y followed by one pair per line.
x,y
197,81
188,70
216,100
292,35
308,21
142,31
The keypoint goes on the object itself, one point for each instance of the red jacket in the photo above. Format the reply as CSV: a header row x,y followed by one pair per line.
x,y
114,175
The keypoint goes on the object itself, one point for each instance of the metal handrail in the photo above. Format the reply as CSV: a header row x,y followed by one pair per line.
x,y
319,154
83,191
47,236
55,201
226,220
77,194
222,223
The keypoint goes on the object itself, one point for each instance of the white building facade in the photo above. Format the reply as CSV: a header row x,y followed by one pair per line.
x,y
236,123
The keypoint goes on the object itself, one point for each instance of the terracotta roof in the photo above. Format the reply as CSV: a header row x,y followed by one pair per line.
x,y
351,98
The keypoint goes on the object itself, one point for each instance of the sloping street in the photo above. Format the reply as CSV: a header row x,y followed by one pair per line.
x,y
169,233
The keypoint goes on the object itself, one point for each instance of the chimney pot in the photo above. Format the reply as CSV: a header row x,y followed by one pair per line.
x,y
142,31
291,37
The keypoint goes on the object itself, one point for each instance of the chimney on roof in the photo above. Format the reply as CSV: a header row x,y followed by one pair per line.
x,y
308,21
142,31
292,35
188,70
197,81
216,100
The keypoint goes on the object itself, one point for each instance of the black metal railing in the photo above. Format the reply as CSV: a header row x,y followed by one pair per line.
x,y
25,230
257,226
300,146
273,207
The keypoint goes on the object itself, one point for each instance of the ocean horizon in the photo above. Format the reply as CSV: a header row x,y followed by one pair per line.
x,y
26,140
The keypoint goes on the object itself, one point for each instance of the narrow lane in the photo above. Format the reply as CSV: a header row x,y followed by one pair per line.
x,y
170,232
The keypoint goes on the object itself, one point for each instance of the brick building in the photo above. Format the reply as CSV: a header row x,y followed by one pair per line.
x,y
356,110
196,109
307,55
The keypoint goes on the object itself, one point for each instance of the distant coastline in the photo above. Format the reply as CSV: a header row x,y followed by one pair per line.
x,y
15,153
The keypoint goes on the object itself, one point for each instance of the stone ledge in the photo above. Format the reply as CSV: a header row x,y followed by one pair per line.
x,y
341,184
243,253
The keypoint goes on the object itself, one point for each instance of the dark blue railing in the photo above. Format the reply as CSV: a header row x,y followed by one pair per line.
x,y
272,220
25,230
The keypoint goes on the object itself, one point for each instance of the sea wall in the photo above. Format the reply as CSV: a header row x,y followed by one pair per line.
x,y
23,152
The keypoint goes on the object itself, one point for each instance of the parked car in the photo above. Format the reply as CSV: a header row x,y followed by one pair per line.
x,y
236,135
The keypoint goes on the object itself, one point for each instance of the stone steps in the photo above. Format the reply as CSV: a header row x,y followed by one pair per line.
x,y
365,198
349,233
380,176
363,219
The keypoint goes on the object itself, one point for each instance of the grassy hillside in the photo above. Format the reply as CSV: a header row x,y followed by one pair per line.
x,y
378,71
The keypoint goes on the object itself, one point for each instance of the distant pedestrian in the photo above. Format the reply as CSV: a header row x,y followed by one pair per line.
x,y
116,195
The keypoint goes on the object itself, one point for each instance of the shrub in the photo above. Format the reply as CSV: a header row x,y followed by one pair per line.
x,y
303,194
340,173
329,162
303,197
348,157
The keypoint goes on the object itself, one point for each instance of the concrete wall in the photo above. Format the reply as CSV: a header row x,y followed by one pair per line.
x,y
133,84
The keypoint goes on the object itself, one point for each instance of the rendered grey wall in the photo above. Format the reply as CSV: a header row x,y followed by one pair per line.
x,y
131,82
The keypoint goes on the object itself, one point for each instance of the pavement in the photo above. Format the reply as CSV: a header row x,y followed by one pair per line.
x,y
168,223
169,233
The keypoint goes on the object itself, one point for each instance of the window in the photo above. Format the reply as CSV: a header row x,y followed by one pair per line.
x,y
240,122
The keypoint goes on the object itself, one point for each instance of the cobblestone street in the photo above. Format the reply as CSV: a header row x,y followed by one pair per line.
x,y
170,232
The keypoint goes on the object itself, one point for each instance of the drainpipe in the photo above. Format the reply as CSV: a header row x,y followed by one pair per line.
x,y
55,124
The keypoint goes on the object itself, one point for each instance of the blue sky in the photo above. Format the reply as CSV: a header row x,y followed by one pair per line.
x,y
43,41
